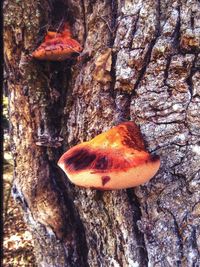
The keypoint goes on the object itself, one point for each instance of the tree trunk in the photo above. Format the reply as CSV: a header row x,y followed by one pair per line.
x,y
153,79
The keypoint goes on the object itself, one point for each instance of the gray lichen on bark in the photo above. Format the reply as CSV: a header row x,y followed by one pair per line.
x,y
154,81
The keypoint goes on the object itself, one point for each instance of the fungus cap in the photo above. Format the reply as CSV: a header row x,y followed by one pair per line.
x,y
115,159
57,46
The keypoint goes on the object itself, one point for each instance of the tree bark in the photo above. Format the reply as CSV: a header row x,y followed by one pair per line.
x,y
140,62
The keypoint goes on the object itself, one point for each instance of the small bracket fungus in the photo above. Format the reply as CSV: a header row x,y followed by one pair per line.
x,y
57,46
115,159
48,141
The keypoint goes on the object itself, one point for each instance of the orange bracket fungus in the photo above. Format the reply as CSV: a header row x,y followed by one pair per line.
x,y
57,46
115,159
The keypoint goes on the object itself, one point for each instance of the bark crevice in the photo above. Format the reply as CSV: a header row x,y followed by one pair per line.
x,y
140,239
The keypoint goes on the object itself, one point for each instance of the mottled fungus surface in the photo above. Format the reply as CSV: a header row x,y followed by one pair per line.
x,y
57,46
115,159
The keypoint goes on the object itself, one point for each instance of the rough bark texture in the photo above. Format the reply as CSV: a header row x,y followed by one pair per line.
x,y
150,75
1,133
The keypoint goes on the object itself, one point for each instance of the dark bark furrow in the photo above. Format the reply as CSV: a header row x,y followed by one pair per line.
x,y
137,215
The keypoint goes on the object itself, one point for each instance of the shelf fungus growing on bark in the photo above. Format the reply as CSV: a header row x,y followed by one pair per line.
x,y
115,159
57,46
